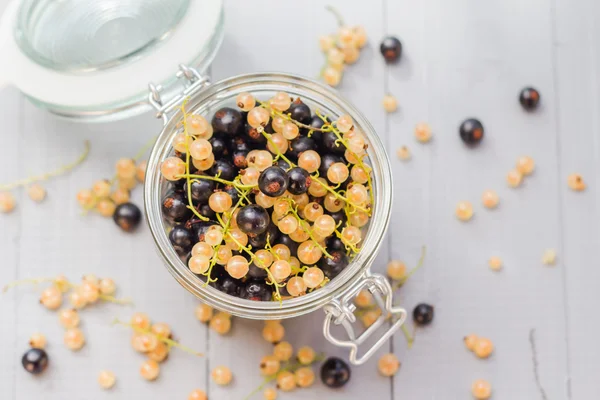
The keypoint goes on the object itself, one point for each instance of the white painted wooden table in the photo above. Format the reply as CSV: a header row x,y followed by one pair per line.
x,y
461,58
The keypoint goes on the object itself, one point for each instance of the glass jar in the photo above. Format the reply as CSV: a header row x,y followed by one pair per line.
x,y
336,297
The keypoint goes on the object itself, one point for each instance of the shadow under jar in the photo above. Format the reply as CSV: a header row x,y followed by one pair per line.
x,y
336,297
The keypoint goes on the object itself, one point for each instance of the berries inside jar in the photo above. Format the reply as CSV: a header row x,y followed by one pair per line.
x,y
264,207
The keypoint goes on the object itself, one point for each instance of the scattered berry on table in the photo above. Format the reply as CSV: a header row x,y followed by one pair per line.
x,y
363,299
51,298
140,171
283,351
36,192
273,332
120,196
471,131
7,202
481,389
525,165
305,377
388,364
423,132
335,373
197,395
127,216
203,312
483,347
576,183
269,365
549,257
107,286
396,270
106,207
37,341
529,98
106,379
221,323
464,211
159,353
470,341
74,339
161,330
286,381
490,199
221,375
391,49
403,153
423,314
140,321
150,370
390,104
514,178
35,361
306,355
370,317
495,263
270,394
77,300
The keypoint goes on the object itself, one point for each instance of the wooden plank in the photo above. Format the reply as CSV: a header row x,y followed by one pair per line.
x,y
463,59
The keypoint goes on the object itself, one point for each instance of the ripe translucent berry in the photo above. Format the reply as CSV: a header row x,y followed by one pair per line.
x,y
281,101
8,202
305,377
495,263
287,224
258,116
106,207
309,160
221,375
490,199
306,355
69,318
318,187
106,379
514,178
144,343
198,394
335,57
197,125
296,286
202,249
140,171
200,149
388,364
309,252
74,339
77,300
363,299
351,54
470,341
269,365
125,168
223,255
85,198
464,210
36,192
277,144
140,321
270,394
370,317
352,234
199,264
338,173
423,132
159,353
390,104
356,144
161,330
576,183
282,252
525,165
236,238
149,370
171,169
403,153
245,101
90,292
273,332
332,76
357,194
203,312
396,270
220,202
481,389
313,277
326,42
280,270
203,165
283,351
37,341
181,141
101,189
324,225
237,267
483,348
286,382
51,298
221,323
120,196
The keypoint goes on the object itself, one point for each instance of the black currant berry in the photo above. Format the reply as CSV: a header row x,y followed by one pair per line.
x,y
334,243
224,169
174,207
255,136
239,143
127,216
529,98
35,361
391,49
281,163
253,219
299,112
299,180
239,159
327,160
206,211
300,145
257,291
471,131
219,146
233,193
201,190
229,285
317,123
340,218
273,181
257,272
330,144
335,373
332,267
182,239
423,314
227,120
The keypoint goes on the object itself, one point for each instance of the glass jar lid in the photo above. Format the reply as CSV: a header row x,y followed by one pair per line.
x,y
93,60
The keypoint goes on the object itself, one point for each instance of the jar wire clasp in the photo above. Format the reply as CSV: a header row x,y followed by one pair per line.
x,y
341,312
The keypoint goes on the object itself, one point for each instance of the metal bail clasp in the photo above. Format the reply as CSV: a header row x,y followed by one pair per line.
x,y
194,83
341,312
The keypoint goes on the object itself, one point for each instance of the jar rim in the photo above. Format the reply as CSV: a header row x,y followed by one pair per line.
x,y
290,307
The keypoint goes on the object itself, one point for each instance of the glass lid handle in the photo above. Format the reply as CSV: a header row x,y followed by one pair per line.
x,y
193,83
341,312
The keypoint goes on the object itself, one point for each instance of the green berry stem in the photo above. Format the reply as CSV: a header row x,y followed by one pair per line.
x,y
288,118
412,271
410,339
112,299
217,179
43,177
293,209
33,281
336,13
167,341
348,245
339,196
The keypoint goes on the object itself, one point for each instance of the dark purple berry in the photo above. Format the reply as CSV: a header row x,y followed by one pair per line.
x,y
281,163
201,190
299,180
227,120
330,144
239,143
332,267
206,211
219,147
127,216
340,218
239,158
299,112
391,49
256,272
174,207
182,239
224,169
253,219
529,98
35,361
335,373
273,181
229,285
471,131
257,291
334,243
423,314
286,240
300,145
